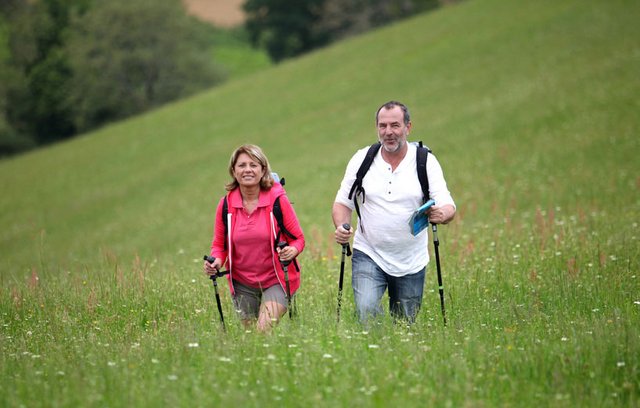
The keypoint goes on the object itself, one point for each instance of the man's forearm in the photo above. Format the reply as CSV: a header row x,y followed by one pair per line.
x,y
341,214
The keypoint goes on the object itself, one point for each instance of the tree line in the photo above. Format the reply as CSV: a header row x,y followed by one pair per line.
x,y
287,28
70,66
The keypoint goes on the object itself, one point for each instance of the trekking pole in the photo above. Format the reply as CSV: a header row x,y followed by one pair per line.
x,y
346,250
284,264
215,288
436,245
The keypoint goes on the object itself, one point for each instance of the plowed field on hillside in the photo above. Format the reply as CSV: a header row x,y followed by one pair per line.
x,y
222,13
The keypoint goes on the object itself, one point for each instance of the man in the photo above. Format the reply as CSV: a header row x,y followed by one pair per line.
x,y
385,253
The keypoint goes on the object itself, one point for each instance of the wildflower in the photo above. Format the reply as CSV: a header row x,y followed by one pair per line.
x,y
172,377
271,357
373,346
224,359
620,364
111,363
155,361
193,345
564,339
370,390
293,345
327,356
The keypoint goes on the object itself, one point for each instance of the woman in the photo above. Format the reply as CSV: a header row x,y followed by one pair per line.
x,y
248,242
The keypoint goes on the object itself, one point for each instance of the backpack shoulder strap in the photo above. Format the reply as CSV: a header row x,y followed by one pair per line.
x,y
356,187
277,213
422,152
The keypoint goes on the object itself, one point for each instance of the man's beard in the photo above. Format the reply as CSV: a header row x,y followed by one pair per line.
x,y
399,144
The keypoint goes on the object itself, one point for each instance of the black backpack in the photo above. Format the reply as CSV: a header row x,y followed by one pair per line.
x,y
421,162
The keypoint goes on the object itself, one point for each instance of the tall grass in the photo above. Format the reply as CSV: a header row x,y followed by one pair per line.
x,y
530,107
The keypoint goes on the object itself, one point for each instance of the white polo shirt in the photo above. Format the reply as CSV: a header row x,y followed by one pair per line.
x,y
391,197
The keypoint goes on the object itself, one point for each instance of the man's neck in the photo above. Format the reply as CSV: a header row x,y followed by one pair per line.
x,y
394,158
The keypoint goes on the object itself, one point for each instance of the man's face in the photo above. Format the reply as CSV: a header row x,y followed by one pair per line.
x,y
392,132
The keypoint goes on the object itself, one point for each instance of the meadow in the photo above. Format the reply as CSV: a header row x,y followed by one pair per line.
x,y
532,109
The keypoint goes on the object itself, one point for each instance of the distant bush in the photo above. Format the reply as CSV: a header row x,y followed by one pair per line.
x,y
127,57
68,66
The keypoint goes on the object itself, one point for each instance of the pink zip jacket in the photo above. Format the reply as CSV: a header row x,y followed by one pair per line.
x,y
266,199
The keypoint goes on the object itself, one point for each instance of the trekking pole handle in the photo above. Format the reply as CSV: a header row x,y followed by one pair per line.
x,y
219,273
345,246
281,245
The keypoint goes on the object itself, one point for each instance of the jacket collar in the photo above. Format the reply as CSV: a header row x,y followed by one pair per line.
x,y
235,198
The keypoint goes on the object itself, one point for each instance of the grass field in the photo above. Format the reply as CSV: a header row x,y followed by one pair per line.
x,y
532,109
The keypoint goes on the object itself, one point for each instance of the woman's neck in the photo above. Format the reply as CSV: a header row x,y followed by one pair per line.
x,y
250,193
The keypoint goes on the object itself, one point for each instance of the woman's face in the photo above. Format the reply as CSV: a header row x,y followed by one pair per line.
x,y
247,171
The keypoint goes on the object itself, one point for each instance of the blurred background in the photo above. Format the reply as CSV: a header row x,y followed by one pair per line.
x,y
71,66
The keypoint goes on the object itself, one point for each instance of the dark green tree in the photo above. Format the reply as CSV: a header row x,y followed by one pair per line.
x,y
34,96
285,28
129,56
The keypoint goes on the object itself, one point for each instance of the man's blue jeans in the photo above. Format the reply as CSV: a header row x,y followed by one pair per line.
x,y
369,283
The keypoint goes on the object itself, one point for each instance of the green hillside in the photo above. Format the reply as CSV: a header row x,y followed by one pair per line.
x,y
517,102
532,109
